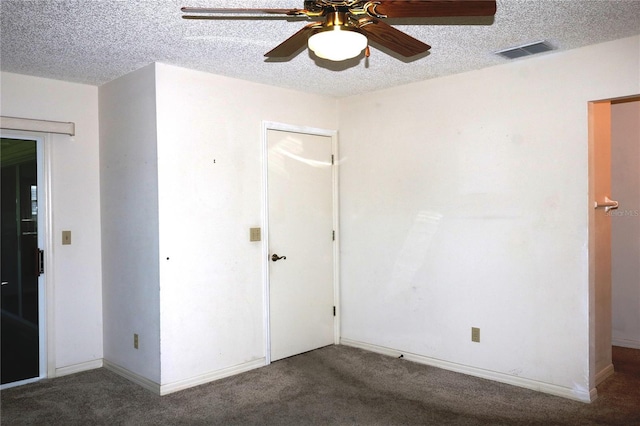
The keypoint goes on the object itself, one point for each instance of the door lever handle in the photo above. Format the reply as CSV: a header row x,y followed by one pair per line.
x,y
275,257
608,204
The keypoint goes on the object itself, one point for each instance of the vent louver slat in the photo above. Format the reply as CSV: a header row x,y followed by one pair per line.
x,y
525,50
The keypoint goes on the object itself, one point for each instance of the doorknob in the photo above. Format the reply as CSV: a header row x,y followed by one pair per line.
x,y
275,257
608,204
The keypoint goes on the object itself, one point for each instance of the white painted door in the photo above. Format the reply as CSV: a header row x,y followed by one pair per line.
x,y
300,206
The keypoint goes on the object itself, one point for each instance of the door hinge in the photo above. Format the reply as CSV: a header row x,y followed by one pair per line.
x,y
39,262
333,235
332,160
334,311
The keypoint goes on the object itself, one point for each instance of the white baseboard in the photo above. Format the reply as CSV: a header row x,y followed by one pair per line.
x,y
604,374
187,383
211,376
77,368
578,395
626,343
133,377
58,372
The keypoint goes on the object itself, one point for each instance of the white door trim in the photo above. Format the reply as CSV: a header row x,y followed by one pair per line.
x,y
333,134
45,241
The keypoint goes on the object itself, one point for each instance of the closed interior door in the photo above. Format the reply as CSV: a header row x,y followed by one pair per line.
x,y
300,211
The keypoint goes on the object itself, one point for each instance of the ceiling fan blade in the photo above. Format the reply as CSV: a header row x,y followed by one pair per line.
x,y
213,11
432,8
293,43
391,38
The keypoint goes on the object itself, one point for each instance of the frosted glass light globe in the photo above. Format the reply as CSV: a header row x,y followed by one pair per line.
x,y
337,43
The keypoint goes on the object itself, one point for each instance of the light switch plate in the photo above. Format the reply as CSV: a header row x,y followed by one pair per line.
x,y
475,334
66,238
255,234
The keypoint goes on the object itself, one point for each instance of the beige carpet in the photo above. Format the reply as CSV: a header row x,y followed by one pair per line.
x,y
336,385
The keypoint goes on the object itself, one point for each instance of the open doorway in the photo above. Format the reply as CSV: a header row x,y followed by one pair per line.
x,y
603,206
22,288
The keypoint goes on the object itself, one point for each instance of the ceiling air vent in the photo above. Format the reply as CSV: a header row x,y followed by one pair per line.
x,y
525,50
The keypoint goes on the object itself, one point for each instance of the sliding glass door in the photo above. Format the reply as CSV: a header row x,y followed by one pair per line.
x,y
21,261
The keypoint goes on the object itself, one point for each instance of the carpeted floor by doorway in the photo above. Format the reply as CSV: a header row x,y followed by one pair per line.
x,y
336,385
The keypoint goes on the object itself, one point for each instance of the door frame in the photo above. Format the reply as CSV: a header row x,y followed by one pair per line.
x,y
599,117
333,134
45,242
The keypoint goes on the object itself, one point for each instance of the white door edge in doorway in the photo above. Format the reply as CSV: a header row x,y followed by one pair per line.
x,y
333,134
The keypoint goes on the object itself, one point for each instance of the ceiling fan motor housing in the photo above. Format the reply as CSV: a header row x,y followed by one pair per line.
x,y
338,18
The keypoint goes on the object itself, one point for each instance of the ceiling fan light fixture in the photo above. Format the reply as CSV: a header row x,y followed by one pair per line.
x,y
337,43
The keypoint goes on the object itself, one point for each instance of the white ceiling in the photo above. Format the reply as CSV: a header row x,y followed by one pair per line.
x,y
96,41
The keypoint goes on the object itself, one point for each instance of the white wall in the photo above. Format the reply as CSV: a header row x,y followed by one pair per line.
x,y
625,223
181,174
211,275
464,204
76,269
129,193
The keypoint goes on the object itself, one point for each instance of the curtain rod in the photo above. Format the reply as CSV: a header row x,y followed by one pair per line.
x,y
31,125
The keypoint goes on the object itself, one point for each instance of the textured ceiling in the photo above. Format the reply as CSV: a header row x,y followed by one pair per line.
x,y
96,41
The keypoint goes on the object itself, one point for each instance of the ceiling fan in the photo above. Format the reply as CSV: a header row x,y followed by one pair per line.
x,y
341,29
